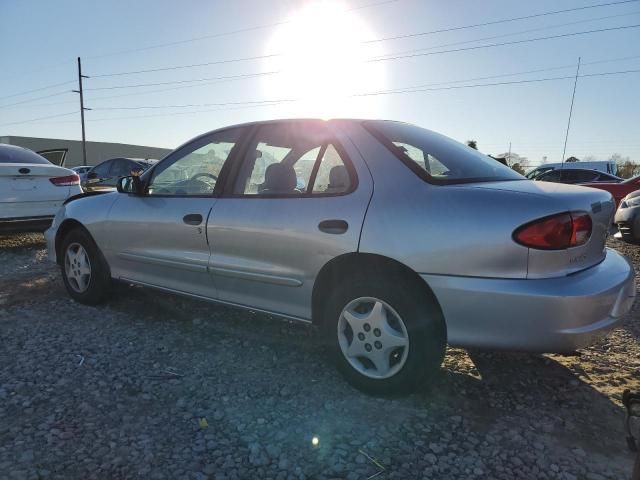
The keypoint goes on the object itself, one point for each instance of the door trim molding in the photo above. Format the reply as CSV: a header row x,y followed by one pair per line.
x,y
164,262
257,277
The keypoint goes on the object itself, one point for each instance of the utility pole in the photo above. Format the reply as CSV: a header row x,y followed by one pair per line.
x,y
509,156
82,109
573,96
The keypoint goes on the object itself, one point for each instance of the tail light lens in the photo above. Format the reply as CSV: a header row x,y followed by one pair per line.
x,y
65,181
556,232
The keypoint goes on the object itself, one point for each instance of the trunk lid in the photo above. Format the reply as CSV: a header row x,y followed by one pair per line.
x,y
24,182
557,198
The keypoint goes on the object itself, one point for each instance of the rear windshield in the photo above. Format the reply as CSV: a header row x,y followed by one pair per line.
x,y
436,158
12,154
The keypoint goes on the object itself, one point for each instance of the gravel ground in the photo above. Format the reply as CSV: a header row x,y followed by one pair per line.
x,y
156,386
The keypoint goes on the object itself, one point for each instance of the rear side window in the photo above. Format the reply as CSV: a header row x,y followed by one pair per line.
x,y
436,158
293,159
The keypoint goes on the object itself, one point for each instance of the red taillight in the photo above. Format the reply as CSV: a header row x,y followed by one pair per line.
x,y
556,232
65,181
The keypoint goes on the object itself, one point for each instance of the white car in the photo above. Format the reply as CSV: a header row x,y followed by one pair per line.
x,y
32,189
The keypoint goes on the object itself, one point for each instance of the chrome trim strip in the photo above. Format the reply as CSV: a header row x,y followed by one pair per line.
x,y
215,300
164,262
258,277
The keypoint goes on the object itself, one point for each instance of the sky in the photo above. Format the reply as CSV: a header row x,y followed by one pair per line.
x,y
326,58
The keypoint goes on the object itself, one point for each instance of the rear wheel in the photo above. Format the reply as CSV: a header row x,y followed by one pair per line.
x,y
386,337
84,270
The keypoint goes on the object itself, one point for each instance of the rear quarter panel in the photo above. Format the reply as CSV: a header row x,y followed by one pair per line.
x,y
449,230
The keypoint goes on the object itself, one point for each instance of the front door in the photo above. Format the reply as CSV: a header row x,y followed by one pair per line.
x,y
296,201
160,238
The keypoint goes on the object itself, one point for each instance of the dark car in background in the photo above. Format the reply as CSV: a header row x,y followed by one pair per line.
x,y
627,218
577,175
104,176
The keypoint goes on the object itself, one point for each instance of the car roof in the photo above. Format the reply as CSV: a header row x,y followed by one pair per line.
x,y
286,120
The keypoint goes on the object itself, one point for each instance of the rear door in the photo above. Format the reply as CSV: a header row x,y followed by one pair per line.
x,y
296,200
159,238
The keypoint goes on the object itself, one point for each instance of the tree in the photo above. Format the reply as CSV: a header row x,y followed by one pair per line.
x,y
515,161
517,168
627,168
472,144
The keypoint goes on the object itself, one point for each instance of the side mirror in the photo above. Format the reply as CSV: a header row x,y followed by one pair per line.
x,y
130,185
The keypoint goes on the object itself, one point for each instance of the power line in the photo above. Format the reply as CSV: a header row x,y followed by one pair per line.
x,y
34,99
39,118
495,22
234,32
381,92
550,27
443,30
242,76
265,103
218,79
228,77
417,86
386,58
514,42
36,90
524,72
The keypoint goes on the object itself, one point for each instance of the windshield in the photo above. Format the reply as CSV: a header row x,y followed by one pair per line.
x,y
536,172
436,158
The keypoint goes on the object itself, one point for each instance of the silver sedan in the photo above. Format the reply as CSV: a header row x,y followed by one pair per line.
x,y
393,239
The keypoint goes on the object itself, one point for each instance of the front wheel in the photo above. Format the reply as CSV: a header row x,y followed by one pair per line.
x,y
85,272
387,337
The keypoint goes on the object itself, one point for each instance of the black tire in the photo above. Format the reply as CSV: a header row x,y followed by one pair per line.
x,y
421,315
100,284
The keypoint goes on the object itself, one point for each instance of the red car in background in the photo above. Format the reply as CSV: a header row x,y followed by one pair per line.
x,y
618,190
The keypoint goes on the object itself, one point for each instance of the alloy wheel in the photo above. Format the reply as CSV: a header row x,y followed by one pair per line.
x,y
373,337
77,267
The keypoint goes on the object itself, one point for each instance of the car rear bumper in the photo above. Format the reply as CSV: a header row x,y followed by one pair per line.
x,y
541,315
25,224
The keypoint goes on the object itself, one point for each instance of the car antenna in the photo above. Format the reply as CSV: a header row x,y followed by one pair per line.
x,y
573,96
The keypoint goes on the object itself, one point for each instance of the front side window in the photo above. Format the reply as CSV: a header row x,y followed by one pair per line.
x,y
292,159
436,158
121,168
102,170
196,172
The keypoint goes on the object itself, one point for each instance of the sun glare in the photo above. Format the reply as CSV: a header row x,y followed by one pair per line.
x,y
323,51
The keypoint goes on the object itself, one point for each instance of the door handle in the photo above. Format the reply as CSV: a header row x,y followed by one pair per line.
x,y
335,227
192,219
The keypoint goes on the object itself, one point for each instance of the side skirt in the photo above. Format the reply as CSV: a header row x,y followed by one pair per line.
x,y
215,300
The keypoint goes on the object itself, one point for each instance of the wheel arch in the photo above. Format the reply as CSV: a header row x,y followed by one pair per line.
x,y
65,227
366,264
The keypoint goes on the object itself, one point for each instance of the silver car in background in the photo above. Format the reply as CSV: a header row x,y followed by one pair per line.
x,y
393,239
